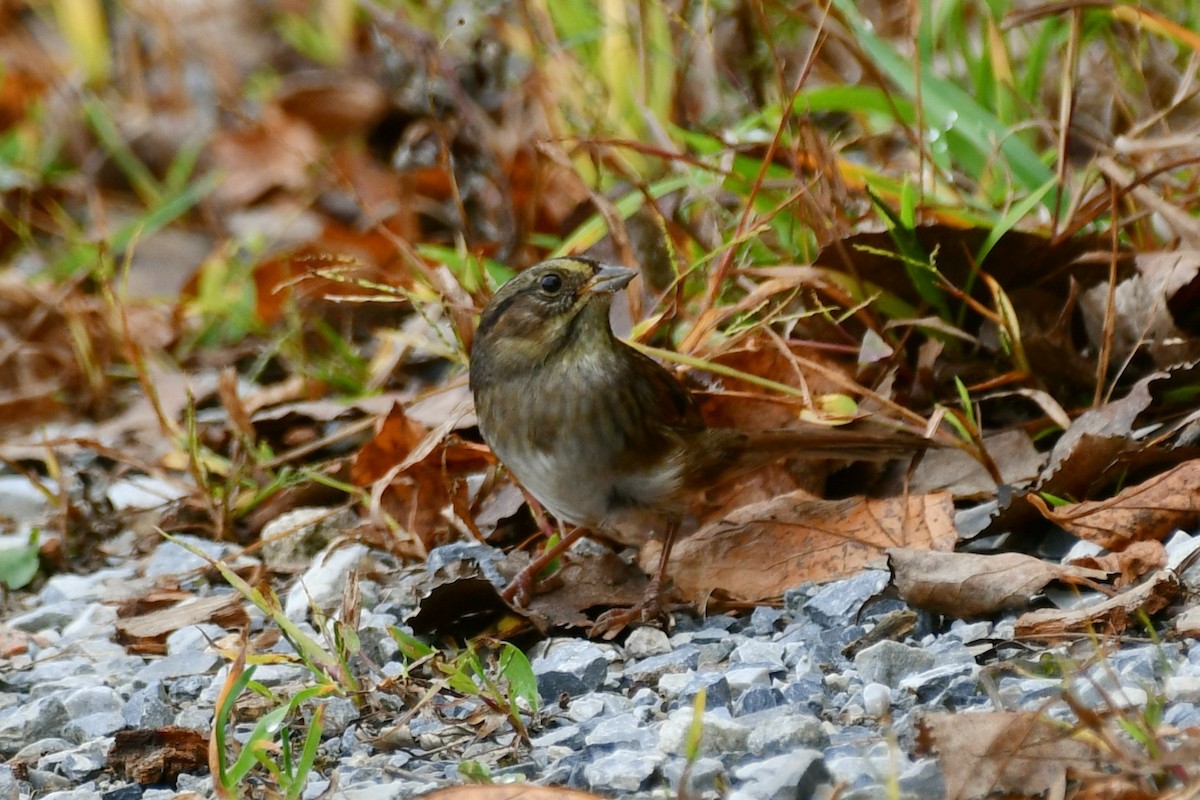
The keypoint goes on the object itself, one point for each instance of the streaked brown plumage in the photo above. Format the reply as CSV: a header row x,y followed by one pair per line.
x,y
601,435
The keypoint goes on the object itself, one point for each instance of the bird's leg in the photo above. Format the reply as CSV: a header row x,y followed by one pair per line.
x,y
611,623
540,517
520,588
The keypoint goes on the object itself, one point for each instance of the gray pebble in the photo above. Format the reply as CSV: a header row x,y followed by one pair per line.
x,y
647,641
81,793
889,662
175,666
681,689
721,734
91,726
622,771
147,708
836,603
170,558
626,731
31,721
877,700
10,787
800,773
780,730
78,763
581,709
758,698
650,670
569,666
49,616
193,637
753,651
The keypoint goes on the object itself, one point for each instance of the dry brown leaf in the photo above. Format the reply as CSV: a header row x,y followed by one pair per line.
x,y
1082,455
57,345
968,585
419,467
1148,309
1003,751
460,599
1106,618
147,632
334,103
763,548
597,580
1113,420
1151,510
275,153
1136,560
963,476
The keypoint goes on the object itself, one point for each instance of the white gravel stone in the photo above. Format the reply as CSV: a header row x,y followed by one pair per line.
x,y
721,733
21,500
581,709
141,492
742,678
622,771
753,651
877,699
1182,689
800,773
647,641
322,584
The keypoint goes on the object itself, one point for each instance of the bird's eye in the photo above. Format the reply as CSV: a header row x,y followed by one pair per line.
x,y
551,282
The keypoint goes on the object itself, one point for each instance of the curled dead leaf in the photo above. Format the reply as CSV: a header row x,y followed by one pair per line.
x,y
1005,752
1106,618
1136,560
969,585
1151,510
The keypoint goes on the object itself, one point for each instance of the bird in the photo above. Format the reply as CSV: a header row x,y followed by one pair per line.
x,y
602,436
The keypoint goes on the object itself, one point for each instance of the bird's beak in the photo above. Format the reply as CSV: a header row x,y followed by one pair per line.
x,y
608,279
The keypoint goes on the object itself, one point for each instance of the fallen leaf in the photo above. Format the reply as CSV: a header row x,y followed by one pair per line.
x,y
334,103
413,472
1107,618
1003,751
593,580
461,599
275,153
1136,560
1151,510
969,585
763,548
957,472
146,633
1150,310
1081,456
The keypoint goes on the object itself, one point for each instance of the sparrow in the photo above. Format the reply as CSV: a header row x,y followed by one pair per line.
x,y
605,438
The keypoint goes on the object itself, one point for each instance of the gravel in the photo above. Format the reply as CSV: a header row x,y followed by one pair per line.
x,y
786,714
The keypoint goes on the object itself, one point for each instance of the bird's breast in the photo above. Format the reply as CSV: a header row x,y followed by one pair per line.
x,y
579,443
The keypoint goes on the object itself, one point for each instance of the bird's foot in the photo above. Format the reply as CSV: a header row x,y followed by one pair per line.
x,y
610,624
520,589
